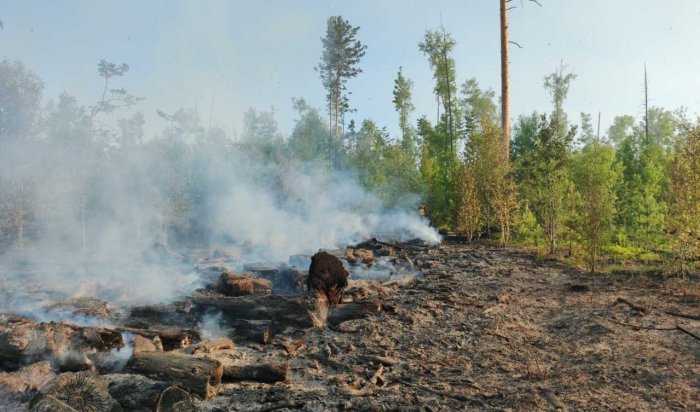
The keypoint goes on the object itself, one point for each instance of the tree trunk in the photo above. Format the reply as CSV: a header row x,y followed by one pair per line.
x,y
505,81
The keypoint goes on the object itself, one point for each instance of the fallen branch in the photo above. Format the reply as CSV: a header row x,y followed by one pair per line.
x,y
688,332
682,315
631,325
677,327
631,305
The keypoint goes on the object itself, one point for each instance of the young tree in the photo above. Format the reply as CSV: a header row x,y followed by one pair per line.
x,y
310,138
111,98
558,84
339,63
468,219
20,99
404,106
438,46
684,217
595,176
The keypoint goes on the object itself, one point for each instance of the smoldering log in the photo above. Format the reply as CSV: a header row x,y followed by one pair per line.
x,y
173,315
353,310
282,311
171,338
235,284
265,372
208,347
143,344
47,403
134,392
202,376
23,341
29,379
256,331
82,391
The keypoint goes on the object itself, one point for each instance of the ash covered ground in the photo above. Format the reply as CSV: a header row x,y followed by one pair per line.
x,y
451,327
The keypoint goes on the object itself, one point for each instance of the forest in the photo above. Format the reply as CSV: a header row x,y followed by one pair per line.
x,y
624,196
152,259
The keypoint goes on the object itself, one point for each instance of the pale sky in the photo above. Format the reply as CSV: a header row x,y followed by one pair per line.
x,y
239,54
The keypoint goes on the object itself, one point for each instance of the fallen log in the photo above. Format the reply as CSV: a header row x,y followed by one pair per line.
x,y
208,347
256,331
143,344
82,391
134,392
24,341
202,376
171,338
265,373
47,403
235,284
29,379
353,310
282,311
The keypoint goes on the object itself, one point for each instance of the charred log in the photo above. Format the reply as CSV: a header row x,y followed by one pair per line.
x,y
234,284
134,392
23,341
170,338
201,376
265,373
281,311
81,391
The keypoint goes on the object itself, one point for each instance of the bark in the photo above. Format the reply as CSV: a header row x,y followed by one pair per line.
x,y
47,403
233,284
171,337
505,80
282,311
134,392
265,373
256,331
208,347
201,376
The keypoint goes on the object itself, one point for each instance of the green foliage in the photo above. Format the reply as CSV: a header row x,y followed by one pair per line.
x,y
404,106
541,171
339,63
528,231
642,207
310,140
595,175
684,218
20,98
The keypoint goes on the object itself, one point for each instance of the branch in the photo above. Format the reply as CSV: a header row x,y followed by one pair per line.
x,y
536,2
515,43
688,332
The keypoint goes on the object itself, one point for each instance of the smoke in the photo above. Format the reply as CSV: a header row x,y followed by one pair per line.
x,y
87,211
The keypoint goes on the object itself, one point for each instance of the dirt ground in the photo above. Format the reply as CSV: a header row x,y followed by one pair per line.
x,y
494,329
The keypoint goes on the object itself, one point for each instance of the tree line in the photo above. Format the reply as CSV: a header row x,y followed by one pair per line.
x,y
558,185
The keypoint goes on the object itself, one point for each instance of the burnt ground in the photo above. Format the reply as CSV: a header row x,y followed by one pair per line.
x,y
487,328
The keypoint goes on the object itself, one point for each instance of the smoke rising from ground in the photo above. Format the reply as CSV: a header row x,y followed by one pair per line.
x,y
124,220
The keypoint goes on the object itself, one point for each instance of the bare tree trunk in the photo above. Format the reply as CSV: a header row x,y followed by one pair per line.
x,y
505,81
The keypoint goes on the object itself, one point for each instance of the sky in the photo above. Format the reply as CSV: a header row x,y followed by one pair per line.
x,y
223,57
